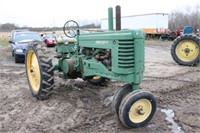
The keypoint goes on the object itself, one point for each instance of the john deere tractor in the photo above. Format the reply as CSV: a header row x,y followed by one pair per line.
x,y
186,48
94,57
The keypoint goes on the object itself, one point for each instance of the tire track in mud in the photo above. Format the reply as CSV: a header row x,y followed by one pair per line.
x,y
78,100
182,96
185,102
13,69
178,77
183,86
12,74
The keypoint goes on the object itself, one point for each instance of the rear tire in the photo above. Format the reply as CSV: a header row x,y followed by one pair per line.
x,y
185,50
39,71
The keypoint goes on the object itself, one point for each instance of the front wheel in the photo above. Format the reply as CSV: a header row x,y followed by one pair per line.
x,y
119,95
137,109
39,71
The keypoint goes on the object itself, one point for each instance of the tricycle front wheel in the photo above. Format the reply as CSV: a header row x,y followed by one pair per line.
x,y
137,109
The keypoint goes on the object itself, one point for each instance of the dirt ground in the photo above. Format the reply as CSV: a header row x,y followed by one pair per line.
x,y
77,106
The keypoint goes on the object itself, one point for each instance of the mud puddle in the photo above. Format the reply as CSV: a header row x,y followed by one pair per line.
x,y
170,118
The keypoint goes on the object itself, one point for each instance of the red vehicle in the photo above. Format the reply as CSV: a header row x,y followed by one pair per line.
x,y
49,39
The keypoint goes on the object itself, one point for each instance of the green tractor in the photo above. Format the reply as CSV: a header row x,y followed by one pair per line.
x,y
94,57
185,49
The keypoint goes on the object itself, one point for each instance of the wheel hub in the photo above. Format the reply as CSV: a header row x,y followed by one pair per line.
x,y
33,70
187,50
140,111
33,74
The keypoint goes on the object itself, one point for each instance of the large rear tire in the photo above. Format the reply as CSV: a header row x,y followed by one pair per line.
x,y
39,71
185,50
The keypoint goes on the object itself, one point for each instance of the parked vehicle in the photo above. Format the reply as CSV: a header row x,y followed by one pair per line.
x,y
13,32
49,39
20,40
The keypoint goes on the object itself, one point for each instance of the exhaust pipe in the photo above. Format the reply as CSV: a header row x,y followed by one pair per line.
x,y
118,17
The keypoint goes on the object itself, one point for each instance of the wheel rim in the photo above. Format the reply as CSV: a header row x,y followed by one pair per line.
x,y
96,77
187,50
33,70
140,111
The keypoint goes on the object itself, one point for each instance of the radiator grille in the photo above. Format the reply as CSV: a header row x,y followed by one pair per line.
x,y
126,54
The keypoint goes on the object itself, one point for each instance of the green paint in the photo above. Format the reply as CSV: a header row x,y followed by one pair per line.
x,y
127,55
117,55
110,18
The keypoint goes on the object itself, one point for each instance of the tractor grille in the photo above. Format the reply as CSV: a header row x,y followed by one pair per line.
x,y
126,54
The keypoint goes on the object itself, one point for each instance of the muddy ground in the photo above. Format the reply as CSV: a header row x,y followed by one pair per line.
x,y
77,106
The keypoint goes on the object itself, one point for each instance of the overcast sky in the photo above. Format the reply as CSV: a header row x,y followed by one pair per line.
x,y
49,13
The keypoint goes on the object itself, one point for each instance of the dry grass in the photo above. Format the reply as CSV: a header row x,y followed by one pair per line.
x,y
4,35
60,32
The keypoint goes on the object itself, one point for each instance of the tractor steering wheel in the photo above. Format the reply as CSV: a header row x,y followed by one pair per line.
x,y
71,28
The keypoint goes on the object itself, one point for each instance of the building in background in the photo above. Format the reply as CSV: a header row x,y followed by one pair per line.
x,y
151,24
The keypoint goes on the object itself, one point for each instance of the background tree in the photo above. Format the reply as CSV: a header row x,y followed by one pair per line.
x,y
7,27
190,16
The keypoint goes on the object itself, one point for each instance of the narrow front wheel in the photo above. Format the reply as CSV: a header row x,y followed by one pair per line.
x,y
119,95
137,109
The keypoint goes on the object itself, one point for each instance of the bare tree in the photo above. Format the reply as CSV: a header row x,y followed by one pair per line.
x,y
189,17
7,27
